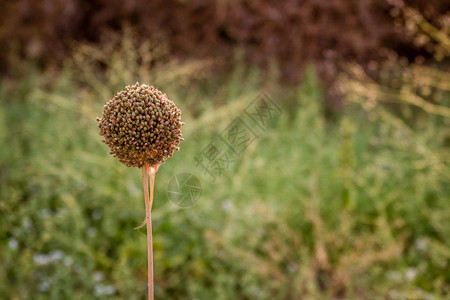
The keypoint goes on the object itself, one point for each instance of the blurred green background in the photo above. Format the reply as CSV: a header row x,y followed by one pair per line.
x,y
345,195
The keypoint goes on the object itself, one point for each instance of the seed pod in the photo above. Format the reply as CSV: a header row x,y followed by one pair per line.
x,y
128,113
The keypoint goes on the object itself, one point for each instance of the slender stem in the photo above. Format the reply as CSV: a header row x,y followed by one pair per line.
x,y
151,170
148,219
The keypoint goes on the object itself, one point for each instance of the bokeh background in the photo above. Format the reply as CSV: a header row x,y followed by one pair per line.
x,y
344,195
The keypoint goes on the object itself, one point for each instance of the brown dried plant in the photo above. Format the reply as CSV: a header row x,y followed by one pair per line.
x,y
142,127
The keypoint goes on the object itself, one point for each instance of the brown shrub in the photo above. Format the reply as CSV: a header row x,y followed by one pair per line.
x,y
290,32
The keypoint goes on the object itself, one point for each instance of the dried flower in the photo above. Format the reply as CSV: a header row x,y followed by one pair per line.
x,y
141,126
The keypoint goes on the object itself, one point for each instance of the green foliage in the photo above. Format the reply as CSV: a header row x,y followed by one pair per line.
x,y
312,210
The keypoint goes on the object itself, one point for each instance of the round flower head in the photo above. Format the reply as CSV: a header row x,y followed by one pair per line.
x,y
141,126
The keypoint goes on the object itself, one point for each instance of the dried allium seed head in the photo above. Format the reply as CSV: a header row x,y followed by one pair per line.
x,y
141,126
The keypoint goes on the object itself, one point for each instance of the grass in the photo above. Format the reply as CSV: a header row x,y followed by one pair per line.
x,y
351,208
